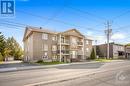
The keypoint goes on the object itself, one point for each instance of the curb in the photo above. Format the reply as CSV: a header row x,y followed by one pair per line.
x,y
13,69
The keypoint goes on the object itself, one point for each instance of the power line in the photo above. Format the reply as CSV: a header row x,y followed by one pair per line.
x,y
10,26
59,21
84,17
88,13
12,22
57,13
122,27
116,17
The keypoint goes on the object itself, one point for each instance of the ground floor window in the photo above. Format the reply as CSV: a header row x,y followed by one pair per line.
x,y
54,57
45,55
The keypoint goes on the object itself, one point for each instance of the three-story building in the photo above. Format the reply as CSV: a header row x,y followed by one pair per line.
x,y
42,44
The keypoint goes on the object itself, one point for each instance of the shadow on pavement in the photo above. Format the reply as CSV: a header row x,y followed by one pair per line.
x,y
81,66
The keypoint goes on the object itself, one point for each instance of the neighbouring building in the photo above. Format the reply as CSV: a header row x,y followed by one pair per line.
x,y
127,51
67,46
115,50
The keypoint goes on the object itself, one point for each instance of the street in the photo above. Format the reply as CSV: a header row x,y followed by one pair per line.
x,y
81,74
113,78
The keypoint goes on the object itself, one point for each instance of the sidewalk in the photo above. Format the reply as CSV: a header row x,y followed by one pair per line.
x,y
10,62
11,69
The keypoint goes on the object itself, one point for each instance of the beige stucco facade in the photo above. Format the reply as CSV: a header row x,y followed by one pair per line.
x,y
40,44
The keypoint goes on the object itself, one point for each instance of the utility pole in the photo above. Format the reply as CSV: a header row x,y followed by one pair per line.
x,y
108,34
60,50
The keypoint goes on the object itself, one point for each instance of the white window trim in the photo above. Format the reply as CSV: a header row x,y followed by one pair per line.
x,y
45,36
53,47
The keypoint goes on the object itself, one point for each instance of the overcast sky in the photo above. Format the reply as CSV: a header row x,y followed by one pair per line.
x,y
88,16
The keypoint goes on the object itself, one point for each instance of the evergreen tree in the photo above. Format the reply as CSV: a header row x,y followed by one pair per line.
x,y
2,46
93,55
1,57
13,48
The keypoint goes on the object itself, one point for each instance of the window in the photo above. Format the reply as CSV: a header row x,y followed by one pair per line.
x,y
45,36
87,42
45,53
54,38
87,49
54,48
45,47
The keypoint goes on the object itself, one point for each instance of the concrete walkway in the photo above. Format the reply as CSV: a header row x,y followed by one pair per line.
x,y
10,62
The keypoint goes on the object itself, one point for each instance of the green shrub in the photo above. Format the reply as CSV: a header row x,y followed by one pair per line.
x,y
93,55
39,61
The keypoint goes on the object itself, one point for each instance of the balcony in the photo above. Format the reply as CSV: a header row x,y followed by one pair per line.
x,y
54,52
66,42
80,52
64,52
80,43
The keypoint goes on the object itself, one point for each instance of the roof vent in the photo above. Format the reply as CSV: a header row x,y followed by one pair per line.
x,y
40,27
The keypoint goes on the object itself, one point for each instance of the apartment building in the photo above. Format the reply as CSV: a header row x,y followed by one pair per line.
x,y
67,46
115,50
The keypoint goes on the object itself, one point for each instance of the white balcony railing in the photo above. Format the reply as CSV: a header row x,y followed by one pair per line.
x,y
64,42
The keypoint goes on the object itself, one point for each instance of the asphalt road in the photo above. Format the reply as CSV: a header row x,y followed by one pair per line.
x,y
67,72
119,77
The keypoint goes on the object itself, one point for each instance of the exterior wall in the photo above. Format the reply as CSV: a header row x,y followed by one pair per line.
x,y
38,43
89,47
35,47
127,52
114,50
101,50
117,49
28,49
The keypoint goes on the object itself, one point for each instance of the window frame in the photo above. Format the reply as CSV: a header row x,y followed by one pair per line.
x,y
45,36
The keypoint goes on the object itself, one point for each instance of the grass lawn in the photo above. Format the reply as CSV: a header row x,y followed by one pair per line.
x,y
103,60
50,63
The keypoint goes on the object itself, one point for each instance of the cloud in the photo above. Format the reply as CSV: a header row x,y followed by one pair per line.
x,y
101,39
117,36
90,33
